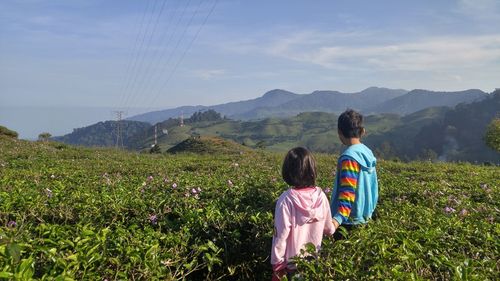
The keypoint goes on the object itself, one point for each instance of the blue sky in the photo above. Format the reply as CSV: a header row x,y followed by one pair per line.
x,y
126,54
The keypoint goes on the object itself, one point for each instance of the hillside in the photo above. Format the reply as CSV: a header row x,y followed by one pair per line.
x,y
425,134
271,98
105,134
208,145
91,213
417,100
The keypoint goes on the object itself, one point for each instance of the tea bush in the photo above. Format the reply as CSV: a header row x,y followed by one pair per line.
x,y
69,213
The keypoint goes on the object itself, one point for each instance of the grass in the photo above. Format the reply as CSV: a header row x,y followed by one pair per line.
x,y
69,213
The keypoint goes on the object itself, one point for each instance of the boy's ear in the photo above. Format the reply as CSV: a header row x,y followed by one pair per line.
x,y
363,132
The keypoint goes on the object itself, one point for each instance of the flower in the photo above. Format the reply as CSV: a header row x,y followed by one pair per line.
x,y
150,178
198,189
327,190
449,210
464,213
48,192
174,185
153,219
12,224
230,183
52,176
194,191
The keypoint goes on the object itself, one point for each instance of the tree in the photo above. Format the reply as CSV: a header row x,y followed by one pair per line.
x,y
45,136
7,132
492,135
155,149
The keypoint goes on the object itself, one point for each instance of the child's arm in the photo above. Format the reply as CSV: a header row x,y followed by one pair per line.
x,y
282,224
349,174
329,225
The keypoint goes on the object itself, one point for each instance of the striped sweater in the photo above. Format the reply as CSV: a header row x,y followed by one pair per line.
x,y
349,174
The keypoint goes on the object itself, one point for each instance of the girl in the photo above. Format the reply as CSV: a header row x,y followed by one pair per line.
x,y
302,212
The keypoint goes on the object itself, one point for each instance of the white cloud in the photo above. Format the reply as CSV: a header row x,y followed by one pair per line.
x,y
424,54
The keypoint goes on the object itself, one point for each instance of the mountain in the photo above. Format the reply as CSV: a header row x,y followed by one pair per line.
x,y
325,101
281,103
271,98
416,100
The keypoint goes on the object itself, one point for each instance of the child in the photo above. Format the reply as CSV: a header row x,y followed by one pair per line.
x,y
355,191
302,212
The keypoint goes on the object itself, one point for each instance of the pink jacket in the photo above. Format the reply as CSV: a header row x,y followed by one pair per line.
x,y
301,216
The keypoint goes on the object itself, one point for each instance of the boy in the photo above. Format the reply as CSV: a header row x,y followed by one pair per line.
x,y
355,191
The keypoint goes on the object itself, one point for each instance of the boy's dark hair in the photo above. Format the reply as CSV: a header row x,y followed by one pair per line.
x,y
350,124
299,168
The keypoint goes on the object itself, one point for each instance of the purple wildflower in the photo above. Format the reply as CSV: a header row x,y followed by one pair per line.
x,y
12,224
327,190
464,213
153,219
449,210
174,185
150,178
194,191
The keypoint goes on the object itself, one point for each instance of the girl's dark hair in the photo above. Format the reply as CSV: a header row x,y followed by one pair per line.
x,y
299,168
350,124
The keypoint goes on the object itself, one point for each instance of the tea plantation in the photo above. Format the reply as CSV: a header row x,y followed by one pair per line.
x,y
69,213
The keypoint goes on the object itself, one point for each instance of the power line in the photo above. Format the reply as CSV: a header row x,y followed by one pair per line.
x,y
134,50
150,39
165,64
138,56
185,52
156,61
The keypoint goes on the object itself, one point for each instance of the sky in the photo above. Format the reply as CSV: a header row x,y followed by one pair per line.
x,y
89,57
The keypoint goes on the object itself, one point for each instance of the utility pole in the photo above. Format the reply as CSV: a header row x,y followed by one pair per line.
x,y
119,138
156,134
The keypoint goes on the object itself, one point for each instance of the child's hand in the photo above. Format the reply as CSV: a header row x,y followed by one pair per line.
x,y
335,223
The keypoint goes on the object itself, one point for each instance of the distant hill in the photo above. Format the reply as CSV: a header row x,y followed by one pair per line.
x,y
324,101
444,133
281,103
271,98
416,100
103,134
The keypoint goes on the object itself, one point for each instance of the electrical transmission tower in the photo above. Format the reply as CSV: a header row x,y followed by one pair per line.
x,y
118,128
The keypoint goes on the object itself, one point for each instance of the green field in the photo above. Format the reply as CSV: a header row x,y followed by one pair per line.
x,y
69,213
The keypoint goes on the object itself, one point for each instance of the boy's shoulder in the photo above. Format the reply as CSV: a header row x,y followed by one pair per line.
x,y
360,153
